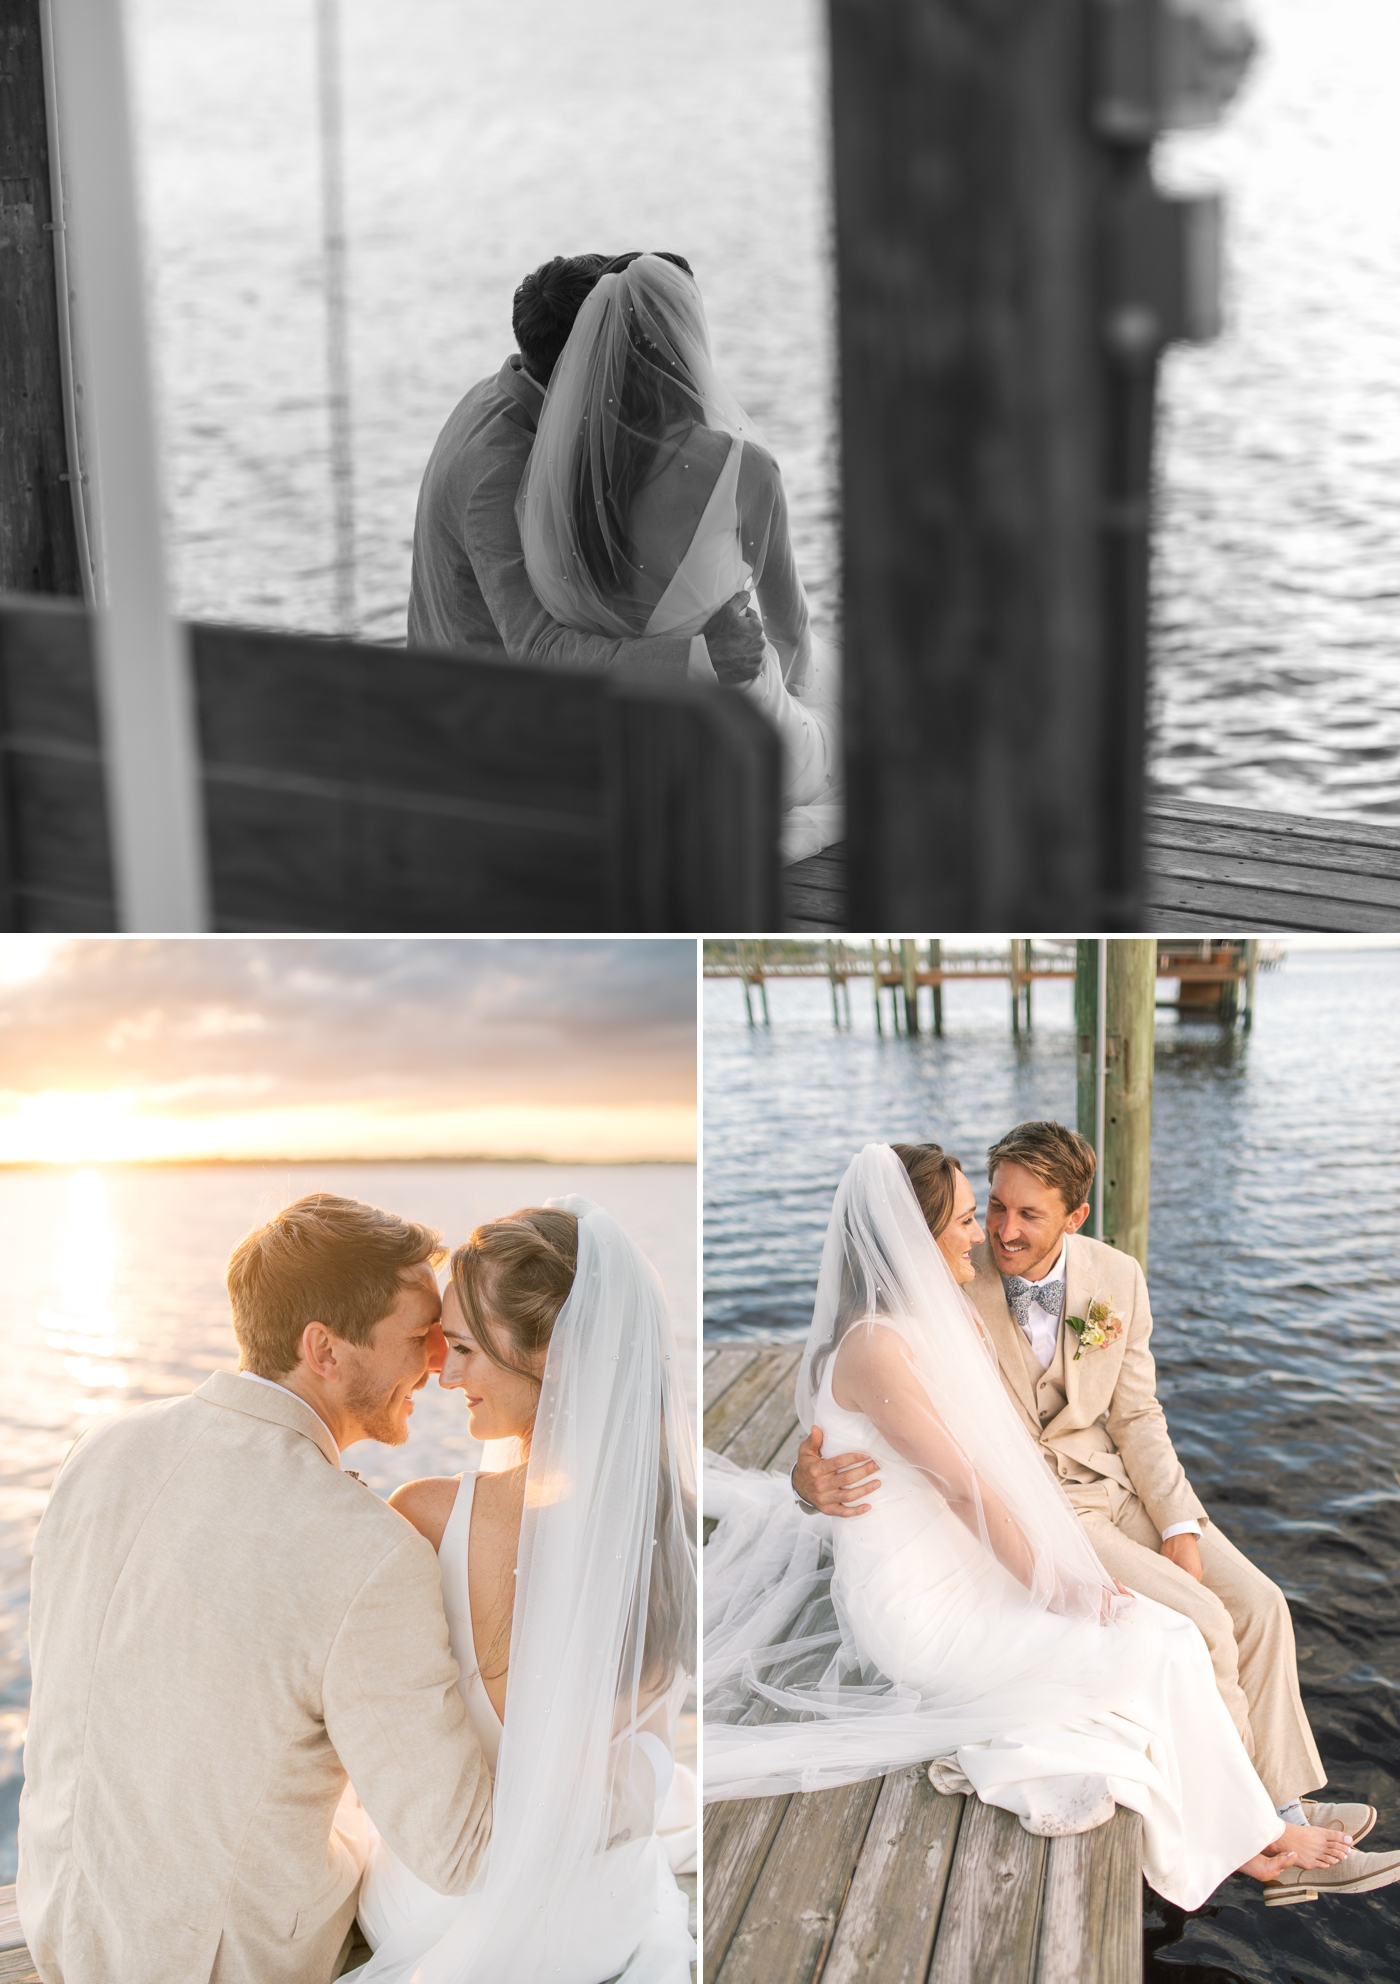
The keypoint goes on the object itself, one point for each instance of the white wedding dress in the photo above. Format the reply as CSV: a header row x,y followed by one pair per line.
x,y
1056,1701
803,705
391,1896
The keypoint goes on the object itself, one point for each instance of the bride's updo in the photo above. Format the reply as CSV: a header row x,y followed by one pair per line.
x,y
933,1174
512,1278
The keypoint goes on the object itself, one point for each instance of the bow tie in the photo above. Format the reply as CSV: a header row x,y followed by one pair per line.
x,y
1046,1295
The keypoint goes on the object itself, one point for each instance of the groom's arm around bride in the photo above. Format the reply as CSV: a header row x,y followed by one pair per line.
x,y
225,1624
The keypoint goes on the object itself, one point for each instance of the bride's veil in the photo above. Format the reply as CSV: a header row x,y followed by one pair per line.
x,y
789,1704
602,1644
637,362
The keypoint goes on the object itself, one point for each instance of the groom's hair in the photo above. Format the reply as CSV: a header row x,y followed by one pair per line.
x,y
546,305
326,1260
550,298
1057,1156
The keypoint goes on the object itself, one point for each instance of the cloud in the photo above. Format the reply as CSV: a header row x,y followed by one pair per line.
x,y
192,1025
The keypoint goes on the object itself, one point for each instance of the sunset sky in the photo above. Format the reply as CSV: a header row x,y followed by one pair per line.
x,y
234,1047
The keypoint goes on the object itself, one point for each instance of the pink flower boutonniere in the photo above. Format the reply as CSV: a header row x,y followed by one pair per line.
x,y
1101,1325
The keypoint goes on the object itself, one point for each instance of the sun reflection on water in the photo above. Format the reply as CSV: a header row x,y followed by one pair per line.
x,y
83,1322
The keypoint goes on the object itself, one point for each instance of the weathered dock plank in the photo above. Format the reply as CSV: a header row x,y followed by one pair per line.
x,y
891,1882
16,1964
738,1836
1208,868
724,1367
813,1855
888,1925
774,1366
990,1926
1091,1922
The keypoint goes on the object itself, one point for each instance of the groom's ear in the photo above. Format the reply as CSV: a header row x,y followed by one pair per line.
x,y
1077,1218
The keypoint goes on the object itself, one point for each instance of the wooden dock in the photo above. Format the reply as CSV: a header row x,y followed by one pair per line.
x,y
1209,868
16,1964
888,1882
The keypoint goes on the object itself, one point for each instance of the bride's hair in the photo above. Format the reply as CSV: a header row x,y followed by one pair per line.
x,y
512,1278
931,1172
654,390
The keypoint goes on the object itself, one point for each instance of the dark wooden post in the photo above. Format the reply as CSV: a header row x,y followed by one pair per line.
x,y
38,542
1008,277
967,206
1126,1156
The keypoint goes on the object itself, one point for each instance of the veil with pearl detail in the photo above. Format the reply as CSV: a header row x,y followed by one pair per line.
x,y
576,1886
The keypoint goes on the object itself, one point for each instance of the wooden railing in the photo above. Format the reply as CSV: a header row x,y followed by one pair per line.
x,y
349,787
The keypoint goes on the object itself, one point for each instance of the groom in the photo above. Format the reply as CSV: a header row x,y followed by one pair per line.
x,y
225,1624
469,584
1070,1323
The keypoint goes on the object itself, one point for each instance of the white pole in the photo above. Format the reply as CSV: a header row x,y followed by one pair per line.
x,y
1100,1081
328,66
150,748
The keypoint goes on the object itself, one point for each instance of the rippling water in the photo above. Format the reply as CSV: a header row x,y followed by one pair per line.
x,y
114,1296
486,135
1275,1215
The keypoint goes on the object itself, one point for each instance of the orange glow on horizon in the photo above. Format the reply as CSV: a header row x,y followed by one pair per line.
x,y
114,1126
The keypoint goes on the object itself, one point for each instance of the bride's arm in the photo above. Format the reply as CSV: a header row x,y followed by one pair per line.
x,y
876,1375
427,1504
767,549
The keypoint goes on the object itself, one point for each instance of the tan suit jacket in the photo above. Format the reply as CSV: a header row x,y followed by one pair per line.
x,y
224,1624
1097,1418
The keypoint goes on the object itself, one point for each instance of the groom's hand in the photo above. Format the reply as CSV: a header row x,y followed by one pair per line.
x,y
1185,1552
734,637
836,1487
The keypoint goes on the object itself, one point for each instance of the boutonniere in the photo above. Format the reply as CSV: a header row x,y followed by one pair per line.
x,y
1101,1325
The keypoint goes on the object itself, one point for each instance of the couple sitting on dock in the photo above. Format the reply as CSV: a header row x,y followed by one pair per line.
x,y
604,501
226,1624
1058,1640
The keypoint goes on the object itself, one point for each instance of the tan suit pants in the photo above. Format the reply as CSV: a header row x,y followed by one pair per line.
x,y
1244,1620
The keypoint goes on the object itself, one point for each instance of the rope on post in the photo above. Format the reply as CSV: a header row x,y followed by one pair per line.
x,y
333,248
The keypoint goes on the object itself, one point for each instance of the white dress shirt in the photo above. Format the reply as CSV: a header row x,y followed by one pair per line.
x,y
1042,1329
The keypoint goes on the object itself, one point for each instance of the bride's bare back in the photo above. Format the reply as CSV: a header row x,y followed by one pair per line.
x,y
493,1544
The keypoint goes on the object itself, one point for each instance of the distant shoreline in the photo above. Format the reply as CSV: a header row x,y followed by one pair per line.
x,y
264,1163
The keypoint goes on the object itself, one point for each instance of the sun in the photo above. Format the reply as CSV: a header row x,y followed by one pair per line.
x,y
65,1126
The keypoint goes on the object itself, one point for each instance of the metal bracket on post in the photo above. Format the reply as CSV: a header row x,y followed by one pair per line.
x,y
1166,65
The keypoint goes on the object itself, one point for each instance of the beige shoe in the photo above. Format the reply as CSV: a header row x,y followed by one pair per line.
x,y
1359,1873
1355,1820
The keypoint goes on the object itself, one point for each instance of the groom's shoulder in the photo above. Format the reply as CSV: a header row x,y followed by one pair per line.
x,y
1108,1264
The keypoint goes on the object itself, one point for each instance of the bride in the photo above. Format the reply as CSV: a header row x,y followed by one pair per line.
x,y
965,1617
649,501
569,1587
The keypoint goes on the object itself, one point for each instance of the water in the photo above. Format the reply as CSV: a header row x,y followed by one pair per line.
x,y
485,135
114,1296
1275,1206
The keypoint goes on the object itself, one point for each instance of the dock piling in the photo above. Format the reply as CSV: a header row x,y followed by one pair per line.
x,y
1126,1028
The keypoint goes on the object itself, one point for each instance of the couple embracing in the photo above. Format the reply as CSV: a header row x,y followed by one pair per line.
x,y
604,501
1059,1639
227,1626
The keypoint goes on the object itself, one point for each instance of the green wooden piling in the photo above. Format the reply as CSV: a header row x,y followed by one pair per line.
x,y
1126,1157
